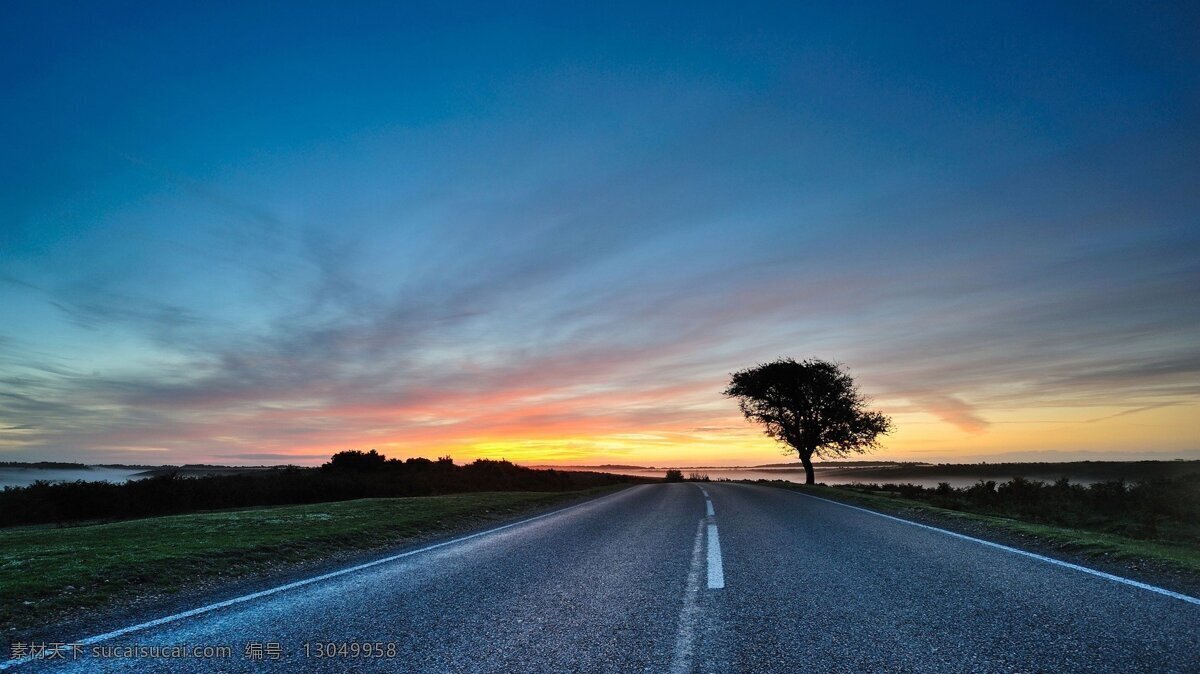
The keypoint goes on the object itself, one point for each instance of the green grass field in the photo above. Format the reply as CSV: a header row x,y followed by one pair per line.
x,y
1183,558
49,574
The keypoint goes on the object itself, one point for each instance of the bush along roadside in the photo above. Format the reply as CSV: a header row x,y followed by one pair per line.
x,y
1171,558
1164,509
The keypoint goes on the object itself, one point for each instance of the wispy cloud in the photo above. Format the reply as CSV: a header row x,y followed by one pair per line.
x,y
574,249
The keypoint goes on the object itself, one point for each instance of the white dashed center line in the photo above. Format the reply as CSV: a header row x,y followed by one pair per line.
x,y
716,570
716,566
691,616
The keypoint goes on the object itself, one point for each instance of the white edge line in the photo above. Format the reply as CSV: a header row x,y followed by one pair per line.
x,y
299,583
1026,553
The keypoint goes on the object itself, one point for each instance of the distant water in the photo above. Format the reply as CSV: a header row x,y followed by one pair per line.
x,y
837,475
21,477
924,476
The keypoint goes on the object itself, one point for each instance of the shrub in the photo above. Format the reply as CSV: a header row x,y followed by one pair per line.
x,y
1159,508
348,475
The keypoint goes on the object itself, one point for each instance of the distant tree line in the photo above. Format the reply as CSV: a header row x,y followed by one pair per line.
x,y
348,475
45,465
1130,471
1158,508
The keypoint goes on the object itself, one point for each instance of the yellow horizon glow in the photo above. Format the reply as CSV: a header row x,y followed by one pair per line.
x,y
1052,431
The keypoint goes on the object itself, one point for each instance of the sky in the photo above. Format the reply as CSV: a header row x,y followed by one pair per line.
x,y
258,233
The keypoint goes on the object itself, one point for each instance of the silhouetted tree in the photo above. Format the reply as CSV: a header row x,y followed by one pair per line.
x,y
674,476
812,406
355,460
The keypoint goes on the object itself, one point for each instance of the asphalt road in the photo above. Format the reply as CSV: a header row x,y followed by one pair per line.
x,y
647,580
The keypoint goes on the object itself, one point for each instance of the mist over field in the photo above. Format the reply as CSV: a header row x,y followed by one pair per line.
x,y
20,477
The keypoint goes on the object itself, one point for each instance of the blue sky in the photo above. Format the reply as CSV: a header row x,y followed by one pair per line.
x,y
248,232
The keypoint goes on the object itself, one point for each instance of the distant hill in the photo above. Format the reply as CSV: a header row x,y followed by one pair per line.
x,y
45,465
68,465
197,470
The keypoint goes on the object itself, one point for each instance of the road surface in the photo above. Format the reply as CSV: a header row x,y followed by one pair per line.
x,y
675,578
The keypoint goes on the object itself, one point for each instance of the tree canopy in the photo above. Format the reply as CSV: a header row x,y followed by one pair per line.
x,y
811,406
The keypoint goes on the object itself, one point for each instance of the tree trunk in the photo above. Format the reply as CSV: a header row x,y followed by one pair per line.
x,y
806,459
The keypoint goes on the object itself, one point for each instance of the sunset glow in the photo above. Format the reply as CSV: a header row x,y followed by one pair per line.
x,y
383,230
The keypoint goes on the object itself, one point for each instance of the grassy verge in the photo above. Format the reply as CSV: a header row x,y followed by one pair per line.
x,y
1087,544
51,574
